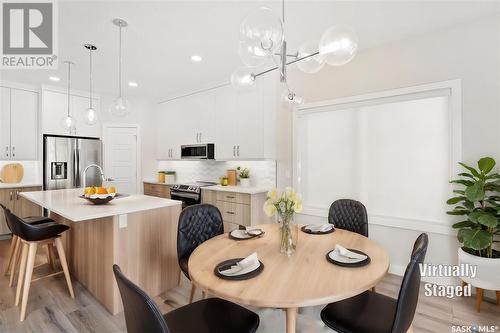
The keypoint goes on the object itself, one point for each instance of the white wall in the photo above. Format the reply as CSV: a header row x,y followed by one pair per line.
x,y
469,52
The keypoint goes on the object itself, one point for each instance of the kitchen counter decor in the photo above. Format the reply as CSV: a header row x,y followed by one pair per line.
x,y
284,206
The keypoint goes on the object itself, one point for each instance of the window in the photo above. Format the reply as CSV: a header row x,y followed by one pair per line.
x,y
394,152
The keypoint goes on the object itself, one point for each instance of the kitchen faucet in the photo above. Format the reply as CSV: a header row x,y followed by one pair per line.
x,y
100,170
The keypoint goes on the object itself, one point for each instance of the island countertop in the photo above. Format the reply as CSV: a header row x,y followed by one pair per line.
x,y
68,204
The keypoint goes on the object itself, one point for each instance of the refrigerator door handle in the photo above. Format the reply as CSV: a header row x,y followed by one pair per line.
x,y
77,167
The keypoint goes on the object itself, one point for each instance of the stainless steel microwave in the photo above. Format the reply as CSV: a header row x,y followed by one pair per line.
x,y
199,151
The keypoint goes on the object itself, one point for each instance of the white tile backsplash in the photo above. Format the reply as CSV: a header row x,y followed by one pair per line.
x,y
262,173
32,171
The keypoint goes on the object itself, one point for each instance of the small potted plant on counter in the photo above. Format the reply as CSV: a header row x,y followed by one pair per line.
x,y
244,176
479,203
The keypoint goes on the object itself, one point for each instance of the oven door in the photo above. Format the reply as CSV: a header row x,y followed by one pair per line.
x,y
188,199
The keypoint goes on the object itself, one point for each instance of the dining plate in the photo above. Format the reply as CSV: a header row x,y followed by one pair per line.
x,y
231,262
303,229
238,234
339,260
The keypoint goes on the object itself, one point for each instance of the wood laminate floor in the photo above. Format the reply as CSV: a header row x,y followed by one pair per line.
x,y
50,308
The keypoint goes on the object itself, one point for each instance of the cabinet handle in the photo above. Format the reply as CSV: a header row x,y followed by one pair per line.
x,y
13,153
230,197
232,213
17,195
200,136
234,151
7,151
10,195
238,150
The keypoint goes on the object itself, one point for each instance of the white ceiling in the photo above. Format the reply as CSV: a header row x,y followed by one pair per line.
x,y
162,36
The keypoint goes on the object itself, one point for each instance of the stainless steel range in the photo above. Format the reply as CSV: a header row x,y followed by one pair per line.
x,y
188,193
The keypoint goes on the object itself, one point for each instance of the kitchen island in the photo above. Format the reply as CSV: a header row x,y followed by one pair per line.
x,y
136,232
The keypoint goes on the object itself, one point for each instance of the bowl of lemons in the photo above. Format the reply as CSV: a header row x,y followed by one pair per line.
x,y
99,195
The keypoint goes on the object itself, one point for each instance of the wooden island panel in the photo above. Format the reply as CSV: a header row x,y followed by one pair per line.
x,y
145,248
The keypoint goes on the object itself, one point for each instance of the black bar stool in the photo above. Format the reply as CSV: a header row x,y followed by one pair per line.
x,y
31,236
15,244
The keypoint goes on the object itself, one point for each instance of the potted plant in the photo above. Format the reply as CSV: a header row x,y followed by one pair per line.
x,y
284,205
244,176
478,202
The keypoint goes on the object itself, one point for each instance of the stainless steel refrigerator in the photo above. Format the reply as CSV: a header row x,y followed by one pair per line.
x,y
65,158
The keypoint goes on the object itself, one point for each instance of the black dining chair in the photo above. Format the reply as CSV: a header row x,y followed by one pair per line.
x,y
197,224
349,215
15,244
212,315
371,312
31,236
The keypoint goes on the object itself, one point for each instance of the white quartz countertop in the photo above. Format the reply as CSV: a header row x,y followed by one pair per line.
x,y
236,189
68,204
21,184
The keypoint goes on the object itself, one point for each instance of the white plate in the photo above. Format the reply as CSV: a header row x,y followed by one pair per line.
x,y
334,255
245,270
240,234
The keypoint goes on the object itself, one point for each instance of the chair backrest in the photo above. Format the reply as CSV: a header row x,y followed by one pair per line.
x,y
408,293
197,224
141,313
5,210
18,227
349,215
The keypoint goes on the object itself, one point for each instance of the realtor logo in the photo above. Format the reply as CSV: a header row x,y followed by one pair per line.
x,y
28,35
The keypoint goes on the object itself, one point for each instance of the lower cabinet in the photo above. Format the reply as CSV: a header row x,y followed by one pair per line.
x,y
237,209
157,190
11,198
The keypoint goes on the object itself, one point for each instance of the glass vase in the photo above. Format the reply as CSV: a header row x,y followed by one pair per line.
x,y
288,234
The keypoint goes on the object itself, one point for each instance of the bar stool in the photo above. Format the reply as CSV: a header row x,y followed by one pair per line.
x,y
15,244
31,236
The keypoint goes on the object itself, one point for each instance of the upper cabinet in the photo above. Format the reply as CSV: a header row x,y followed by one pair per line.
x,y
18,124
241,124
55,107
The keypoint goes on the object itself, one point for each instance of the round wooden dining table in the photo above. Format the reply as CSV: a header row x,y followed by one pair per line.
x,y
303,279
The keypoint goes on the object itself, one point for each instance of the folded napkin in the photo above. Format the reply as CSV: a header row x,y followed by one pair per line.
x,y
243,266
319,227
342,251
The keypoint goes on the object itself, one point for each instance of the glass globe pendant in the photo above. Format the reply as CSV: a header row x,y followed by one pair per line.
x,y
120,106
311,64
68,122
91,113
338,45
243,79
292,98
248,57
261,32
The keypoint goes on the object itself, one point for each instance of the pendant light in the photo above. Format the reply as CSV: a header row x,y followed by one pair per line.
x,y
120,106
91,114
69,122
262,37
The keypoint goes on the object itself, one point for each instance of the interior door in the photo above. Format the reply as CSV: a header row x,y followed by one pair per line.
x,y
120,158
24,124
4,123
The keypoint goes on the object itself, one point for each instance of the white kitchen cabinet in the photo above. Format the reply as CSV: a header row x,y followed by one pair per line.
x,y
239,124
171,126
18,124
23,124
55,108
199,110
4,123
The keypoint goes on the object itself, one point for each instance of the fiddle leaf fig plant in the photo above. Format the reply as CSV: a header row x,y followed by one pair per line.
x,y
478,201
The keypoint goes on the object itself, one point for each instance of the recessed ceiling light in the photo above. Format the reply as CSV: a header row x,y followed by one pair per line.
x,y
196,58
54,78
132,84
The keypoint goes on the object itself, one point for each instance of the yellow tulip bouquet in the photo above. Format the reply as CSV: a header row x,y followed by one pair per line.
x,y
284,205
